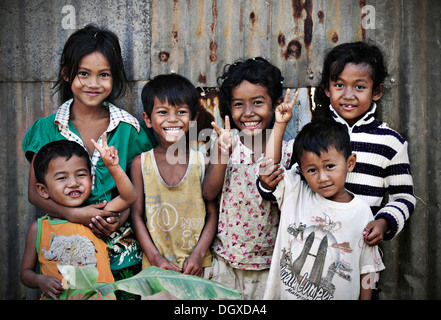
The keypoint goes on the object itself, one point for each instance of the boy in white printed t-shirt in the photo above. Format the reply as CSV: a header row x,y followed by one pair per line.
x,y
319,251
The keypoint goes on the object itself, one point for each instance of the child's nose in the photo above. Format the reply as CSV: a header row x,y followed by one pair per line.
x,y
349,93
249,110
73,182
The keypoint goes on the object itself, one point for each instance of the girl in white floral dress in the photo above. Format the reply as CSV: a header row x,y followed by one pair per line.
x,y
247,227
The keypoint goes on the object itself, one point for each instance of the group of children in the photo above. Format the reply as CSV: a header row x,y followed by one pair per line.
x,y
275,219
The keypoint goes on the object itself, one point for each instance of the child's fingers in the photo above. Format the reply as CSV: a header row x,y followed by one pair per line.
x,y
296,94
287,94
105,139
216,128
96,145
227,124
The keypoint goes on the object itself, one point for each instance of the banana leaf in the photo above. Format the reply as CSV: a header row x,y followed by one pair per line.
x,y
153,280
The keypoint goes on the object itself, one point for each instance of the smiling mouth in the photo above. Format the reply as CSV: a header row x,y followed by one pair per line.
x,y
348,107
172,130
251,124
75,194
92,94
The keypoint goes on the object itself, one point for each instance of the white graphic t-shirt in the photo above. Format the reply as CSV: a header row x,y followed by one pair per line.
x,y
319,253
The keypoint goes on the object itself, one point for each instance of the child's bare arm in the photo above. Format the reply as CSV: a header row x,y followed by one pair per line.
x,y
81,215
127,192
137,216
214,176
49,286
193,264
283,114
365,291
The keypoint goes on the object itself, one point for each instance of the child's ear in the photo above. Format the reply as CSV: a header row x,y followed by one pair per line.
x,y
351,162
378,92
147,120
326,90
42,190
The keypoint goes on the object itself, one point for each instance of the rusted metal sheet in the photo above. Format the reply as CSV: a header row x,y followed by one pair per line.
x,y
196,38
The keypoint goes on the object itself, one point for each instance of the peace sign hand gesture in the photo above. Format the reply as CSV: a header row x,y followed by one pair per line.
x,y
225,141
108,154
284,110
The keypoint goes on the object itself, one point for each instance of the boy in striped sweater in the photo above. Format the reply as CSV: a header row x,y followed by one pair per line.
x,y
353,80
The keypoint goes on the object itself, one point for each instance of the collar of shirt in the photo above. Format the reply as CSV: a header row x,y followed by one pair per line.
x,y
368,118
117,115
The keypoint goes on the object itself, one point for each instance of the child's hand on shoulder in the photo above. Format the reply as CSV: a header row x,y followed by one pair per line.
x,y
108,154
284,110
270,174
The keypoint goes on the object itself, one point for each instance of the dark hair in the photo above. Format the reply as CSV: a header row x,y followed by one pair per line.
x,y
86,41
256,71
52,150
319,136
173,88
353,52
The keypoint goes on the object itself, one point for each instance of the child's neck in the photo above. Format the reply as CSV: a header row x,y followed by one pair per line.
x,y
80,112
172,162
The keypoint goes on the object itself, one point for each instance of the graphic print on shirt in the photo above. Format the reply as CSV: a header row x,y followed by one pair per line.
x,y
166,218
314,257
74,250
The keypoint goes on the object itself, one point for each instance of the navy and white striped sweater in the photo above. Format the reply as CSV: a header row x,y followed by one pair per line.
x,y
382,168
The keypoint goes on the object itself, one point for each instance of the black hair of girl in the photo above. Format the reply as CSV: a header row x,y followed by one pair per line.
x,y
360,52
256,70
319,136
86,41
56,149
173,88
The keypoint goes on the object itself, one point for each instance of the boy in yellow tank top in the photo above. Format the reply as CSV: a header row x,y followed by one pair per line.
x,y
62,170
172,221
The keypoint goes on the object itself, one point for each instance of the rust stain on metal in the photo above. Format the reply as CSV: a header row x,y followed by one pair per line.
x,y
253,18
202,78
213,44
294,49
334,38
321,16
163,56
281,39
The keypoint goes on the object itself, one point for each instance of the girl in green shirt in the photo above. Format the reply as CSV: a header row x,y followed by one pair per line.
x,y
91,75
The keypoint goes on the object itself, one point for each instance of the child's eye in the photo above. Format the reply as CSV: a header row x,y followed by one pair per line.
x,y
105,75
182,111
338,85
60,179
359,87
237,104
258,102
311,171
330,166
83,74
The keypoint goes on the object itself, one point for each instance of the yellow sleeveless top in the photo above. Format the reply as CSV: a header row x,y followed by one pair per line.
x,y
61,241
175,215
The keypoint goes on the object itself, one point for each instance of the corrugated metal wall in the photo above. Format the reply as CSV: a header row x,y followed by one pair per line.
x,y
197,38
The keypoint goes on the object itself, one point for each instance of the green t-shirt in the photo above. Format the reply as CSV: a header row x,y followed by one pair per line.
x,y
124,137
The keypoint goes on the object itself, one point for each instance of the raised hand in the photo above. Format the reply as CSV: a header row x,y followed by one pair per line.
x,y
225,140
108,154
284,110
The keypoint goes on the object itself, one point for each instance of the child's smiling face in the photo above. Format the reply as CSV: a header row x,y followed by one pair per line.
x,y
352,93
251,108
67,182
171,123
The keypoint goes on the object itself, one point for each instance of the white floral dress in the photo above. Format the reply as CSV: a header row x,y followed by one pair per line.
x,y
248,224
